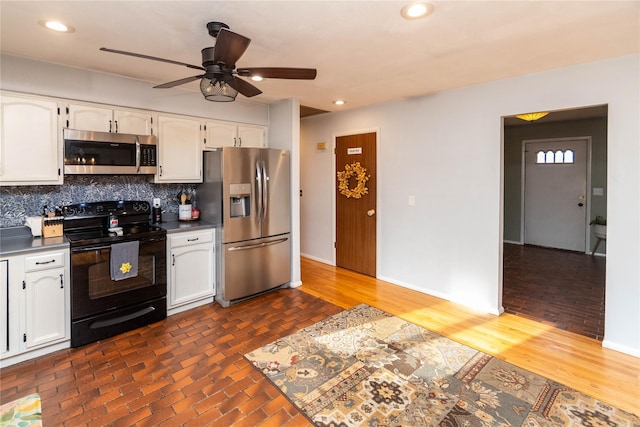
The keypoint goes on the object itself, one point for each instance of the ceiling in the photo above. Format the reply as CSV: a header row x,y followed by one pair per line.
x,y
364,51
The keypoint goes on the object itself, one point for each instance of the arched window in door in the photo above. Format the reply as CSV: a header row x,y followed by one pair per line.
x,y
554,157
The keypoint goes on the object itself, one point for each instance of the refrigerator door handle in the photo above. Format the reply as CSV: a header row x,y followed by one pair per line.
x,y
265,191
257,245
259,199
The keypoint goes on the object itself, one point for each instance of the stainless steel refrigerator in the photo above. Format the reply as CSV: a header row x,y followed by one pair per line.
x,y
246,194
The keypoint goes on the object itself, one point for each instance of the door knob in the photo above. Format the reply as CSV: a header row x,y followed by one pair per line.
x,y
581,204
371,212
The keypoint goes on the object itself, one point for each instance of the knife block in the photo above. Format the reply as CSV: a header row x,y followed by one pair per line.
x,y
52,226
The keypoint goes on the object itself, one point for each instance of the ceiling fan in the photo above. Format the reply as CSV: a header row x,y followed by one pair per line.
x,y
220,81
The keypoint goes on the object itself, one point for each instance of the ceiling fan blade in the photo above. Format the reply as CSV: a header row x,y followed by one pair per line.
x,y
244,87
229,47
279,73
179,82
154,58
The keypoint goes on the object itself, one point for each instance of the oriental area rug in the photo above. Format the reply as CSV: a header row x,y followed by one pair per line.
x,y
365,367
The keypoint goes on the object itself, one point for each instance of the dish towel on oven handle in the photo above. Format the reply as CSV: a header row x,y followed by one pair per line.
x,y
124,260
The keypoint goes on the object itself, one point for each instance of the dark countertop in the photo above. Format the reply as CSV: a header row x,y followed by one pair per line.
x,y
19,241
175,226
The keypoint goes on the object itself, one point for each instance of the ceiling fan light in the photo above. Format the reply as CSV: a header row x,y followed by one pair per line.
x,y
532,117
217,91
256,78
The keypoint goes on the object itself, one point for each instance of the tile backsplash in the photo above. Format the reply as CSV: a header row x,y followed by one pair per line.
x,y
17,203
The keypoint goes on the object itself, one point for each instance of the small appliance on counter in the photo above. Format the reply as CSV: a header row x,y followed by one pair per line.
x,y
35,224
47,225
156,212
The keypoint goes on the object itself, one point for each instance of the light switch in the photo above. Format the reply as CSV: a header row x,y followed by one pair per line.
x,y
597,191
412,200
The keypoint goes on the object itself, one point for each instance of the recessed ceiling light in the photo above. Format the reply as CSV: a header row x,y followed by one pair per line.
x,y
339,102
57,26
416,10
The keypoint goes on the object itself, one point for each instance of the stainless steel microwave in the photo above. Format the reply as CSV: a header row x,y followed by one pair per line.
x,y
103,153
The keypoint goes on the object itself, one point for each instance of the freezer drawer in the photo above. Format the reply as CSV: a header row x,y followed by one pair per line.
x,y
254,266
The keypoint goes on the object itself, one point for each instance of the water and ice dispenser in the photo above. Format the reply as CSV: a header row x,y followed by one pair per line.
x,y
240,200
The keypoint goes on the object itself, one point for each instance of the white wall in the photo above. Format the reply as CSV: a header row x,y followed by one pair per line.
x,y
284,133
24,75
445,149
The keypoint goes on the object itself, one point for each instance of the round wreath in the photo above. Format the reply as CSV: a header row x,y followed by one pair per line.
x,y
361,176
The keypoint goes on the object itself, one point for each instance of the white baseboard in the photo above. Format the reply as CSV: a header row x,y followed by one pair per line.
x,y
322,260
295,284
621,348
445,297
513,242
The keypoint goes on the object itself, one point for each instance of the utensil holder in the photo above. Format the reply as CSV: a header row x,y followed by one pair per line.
x,y
184,211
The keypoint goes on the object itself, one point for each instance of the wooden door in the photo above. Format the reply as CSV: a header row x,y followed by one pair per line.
x,y
356,203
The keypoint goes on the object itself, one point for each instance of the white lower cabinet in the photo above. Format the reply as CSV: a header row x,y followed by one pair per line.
x,y
191,265
38,302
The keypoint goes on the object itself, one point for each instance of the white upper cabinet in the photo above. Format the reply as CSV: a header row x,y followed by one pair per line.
x,y
135,122
30,147
220,134
252,136
104,119
225,134
180,151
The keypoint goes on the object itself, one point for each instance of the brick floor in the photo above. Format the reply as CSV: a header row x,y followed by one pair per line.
x,y
560,288
186,370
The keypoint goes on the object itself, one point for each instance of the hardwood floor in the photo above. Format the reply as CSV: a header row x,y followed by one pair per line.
x,y
563,289
571,359
190,369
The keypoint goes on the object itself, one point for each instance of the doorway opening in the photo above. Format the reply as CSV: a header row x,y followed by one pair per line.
x,y
549,272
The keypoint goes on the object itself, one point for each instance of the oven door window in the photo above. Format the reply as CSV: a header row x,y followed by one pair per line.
x,y
101,285
94,292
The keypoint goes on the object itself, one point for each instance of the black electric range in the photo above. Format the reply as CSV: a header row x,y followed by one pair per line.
x,y
103,305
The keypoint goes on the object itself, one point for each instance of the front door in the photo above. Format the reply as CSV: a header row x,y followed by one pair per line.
x,y
555,202
356,203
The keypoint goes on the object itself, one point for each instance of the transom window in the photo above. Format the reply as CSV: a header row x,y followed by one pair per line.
x,y
554,157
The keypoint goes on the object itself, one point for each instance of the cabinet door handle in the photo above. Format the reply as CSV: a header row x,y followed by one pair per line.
x,y
239,142
116,126
173,259
160,170
110,122
45,262
61,281
193,240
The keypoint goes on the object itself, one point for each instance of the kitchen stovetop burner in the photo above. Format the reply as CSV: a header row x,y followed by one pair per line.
x,y
88,223
104,234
